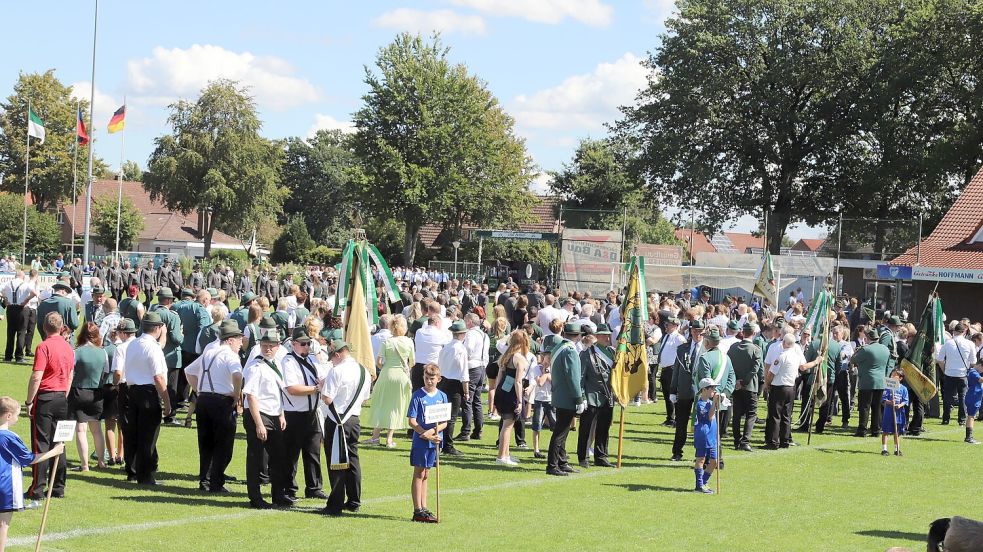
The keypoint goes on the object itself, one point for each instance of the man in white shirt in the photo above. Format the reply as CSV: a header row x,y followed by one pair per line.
x,y
477,344
780,382
453,361
264,422
957,355
381,336
344,390
216,377
428,341
302,438
16,294
733,328
665,354
146,376
31,313
547,314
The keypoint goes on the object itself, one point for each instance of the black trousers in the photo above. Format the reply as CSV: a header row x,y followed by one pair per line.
x,y
723,422
144,413
870,410
472,413
557,455
216,417
454,389
917,409
745,414
825,409
125,427
416,376
148,295
267,453
653,393
684,408
15,337
599,418
30,317
179,389
49,408
302,439
953,394
347,482
778,427
665,381
844,391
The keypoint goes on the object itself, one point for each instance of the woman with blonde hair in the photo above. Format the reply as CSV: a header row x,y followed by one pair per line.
x,y
499,332
391,394
508,386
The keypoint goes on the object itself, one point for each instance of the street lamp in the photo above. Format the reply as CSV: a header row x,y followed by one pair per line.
x,y
457,245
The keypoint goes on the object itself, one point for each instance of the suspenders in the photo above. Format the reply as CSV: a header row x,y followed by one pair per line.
x,y
208,374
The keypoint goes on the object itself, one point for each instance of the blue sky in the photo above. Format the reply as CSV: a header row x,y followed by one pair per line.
x,y
560,67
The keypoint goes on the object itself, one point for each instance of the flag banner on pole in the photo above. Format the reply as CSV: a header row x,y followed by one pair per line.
x,y
631,358
818,316
80,132
919,365
356,330
35,127
764,280
118,122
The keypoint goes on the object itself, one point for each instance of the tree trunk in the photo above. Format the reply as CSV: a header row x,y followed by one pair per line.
x,y
209,232
777,223
409,242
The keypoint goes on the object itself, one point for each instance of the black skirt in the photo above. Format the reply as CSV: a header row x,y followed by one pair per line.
x,y
110,402
85,405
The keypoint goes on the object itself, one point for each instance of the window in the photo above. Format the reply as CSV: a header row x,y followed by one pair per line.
x,y
978,238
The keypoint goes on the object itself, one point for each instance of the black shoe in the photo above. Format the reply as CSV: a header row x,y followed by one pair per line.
x,y
944,422
316,494
476,436
351,507
330,512
283,503
885,453
261,505
898,453
569,469
669,423
860,434
603,463
557,472
745,448
462,437
770,447
230,478
676,458
453,452
538,454
151,482
219,490
584,464
203,487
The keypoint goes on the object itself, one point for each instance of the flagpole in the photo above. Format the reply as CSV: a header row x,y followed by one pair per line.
x,y
27,180
75,162
119,195
92,137
621,435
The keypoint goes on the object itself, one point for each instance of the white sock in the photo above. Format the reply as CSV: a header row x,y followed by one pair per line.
x,y
884,448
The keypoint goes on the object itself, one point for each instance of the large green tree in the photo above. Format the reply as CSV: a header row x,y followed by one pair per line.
x,y
104,211
216,162
294,243
43,231
598,192
750,105
317,172
51,162
435,145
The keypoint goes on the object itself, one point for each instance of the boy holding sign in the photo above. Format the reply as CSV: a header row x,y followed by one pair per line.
x,y
14,454
426,438
895,401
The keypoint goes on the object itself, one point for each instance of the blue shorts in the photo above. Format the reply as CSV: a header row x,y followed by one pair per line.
x,y
972,408
709,452
423,457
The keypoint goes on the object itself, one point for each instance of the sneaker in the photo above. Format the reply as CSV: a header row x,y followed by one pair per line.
x,y
885,453
972,441
391,444
634,403
494,417
898,453
522,446
374,441
506,461
32,505
704,490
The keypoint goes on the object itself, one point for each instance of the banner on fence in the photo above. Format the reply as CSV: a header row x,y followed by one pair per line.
x,y
588,258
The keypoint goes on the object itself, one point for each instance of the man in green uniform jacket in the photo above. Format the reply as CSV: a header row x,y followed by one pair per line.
x,y
172,347
715,364
596,363
871,361
747,360
888,333
568,399
60,303
833,358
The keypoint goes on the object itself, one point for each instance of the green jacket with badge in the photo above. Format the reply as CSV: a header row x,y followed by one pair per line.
x,y
683,385
175,335
63,306
565,367
748,362
714,364
886,338
832,359
871,362
596,375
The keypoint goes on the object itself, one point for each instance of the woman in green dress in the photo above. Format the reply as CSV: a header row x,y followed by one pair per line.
x,y
85,396
391,395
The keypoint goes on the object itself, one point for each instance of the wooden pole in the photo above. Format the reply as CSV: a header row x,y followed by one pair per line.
x,y
621,435
716,402
47,502
438,482
894,414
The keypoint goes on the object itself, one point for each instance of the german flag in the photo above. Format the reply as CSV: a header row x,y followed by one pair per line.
x,y
118,122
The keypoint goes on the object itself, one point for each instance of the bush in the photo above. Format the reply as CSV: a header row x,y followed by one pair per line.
x,y
293,243
236,258
322,255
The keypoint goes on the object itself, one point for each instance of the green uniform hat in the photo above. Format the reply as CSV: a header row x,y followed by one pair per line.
x,y
571,329
713,333
548,343
337,345
97,290
152,319
126,326
749,328
733,325
300,336
697,325
872,334
672,320
893,320
229,329
248,297
187,292
62,286
603,329
212,291
165,293
458,327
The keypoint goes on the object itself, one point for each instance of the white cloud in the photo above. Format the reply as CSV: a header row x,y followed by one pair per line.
x,y
105,104
591,12
418,21
541,183
183,72
583,102
327,122
659,10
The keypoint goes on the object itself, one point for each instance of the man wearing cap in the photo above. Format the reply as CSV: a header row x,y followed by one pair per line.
x,y
146,279
871,361
889,338
665,357
705,300
455,375
60,303
228,284
728,340
216,378
194,316
682,387
685,302
568,399
716,365
344,390
126,331
93,307
17,293
146,377
302,437
241,315
596,363
264,421
746,358
177,385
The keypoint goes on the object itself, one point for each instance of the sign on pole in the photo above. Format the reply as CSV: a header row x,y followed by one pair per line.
x,y
436,413
64,431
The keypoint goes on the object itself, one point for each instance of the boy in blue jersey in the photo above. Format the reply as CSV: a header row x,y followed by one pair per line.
x,y
14,454
705,435
426,439
894,415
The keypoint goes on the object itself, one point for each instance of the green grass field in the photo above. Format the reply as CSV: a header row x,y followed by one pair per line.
x,y
837,494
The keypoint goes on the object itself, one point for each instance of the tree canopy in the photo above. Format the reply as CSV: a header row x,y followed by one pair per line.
x,y
104,212
43,231
215,161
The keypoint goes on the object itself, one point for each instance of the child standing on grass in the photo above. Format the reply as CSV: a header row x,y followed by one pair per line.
x,y
13,455
426,439
894,416
542,410
705,435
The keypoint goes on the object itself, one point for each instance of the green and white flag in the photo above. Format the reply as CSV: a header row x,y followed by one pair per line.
x,y
35,127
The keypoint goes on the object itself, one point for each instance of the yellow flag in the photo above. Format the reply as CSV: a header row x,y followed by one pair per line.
x,y
631,357
357,333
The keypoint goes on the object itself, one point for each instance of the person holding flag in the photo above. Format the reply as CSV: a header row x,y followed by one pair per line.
x,y
716,365
597,362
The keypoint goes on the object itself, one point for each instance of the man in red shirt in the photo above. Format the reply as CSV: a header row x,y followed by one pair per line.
x,y
47,398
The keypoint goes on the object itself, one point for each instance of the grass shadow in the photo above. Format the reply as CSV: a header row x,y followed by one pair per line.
x,y
637,487
903,535
241,504
846,451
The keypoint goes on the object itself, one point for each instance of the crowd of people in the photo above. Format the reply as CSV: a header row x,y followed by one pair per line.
x,y
122,367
